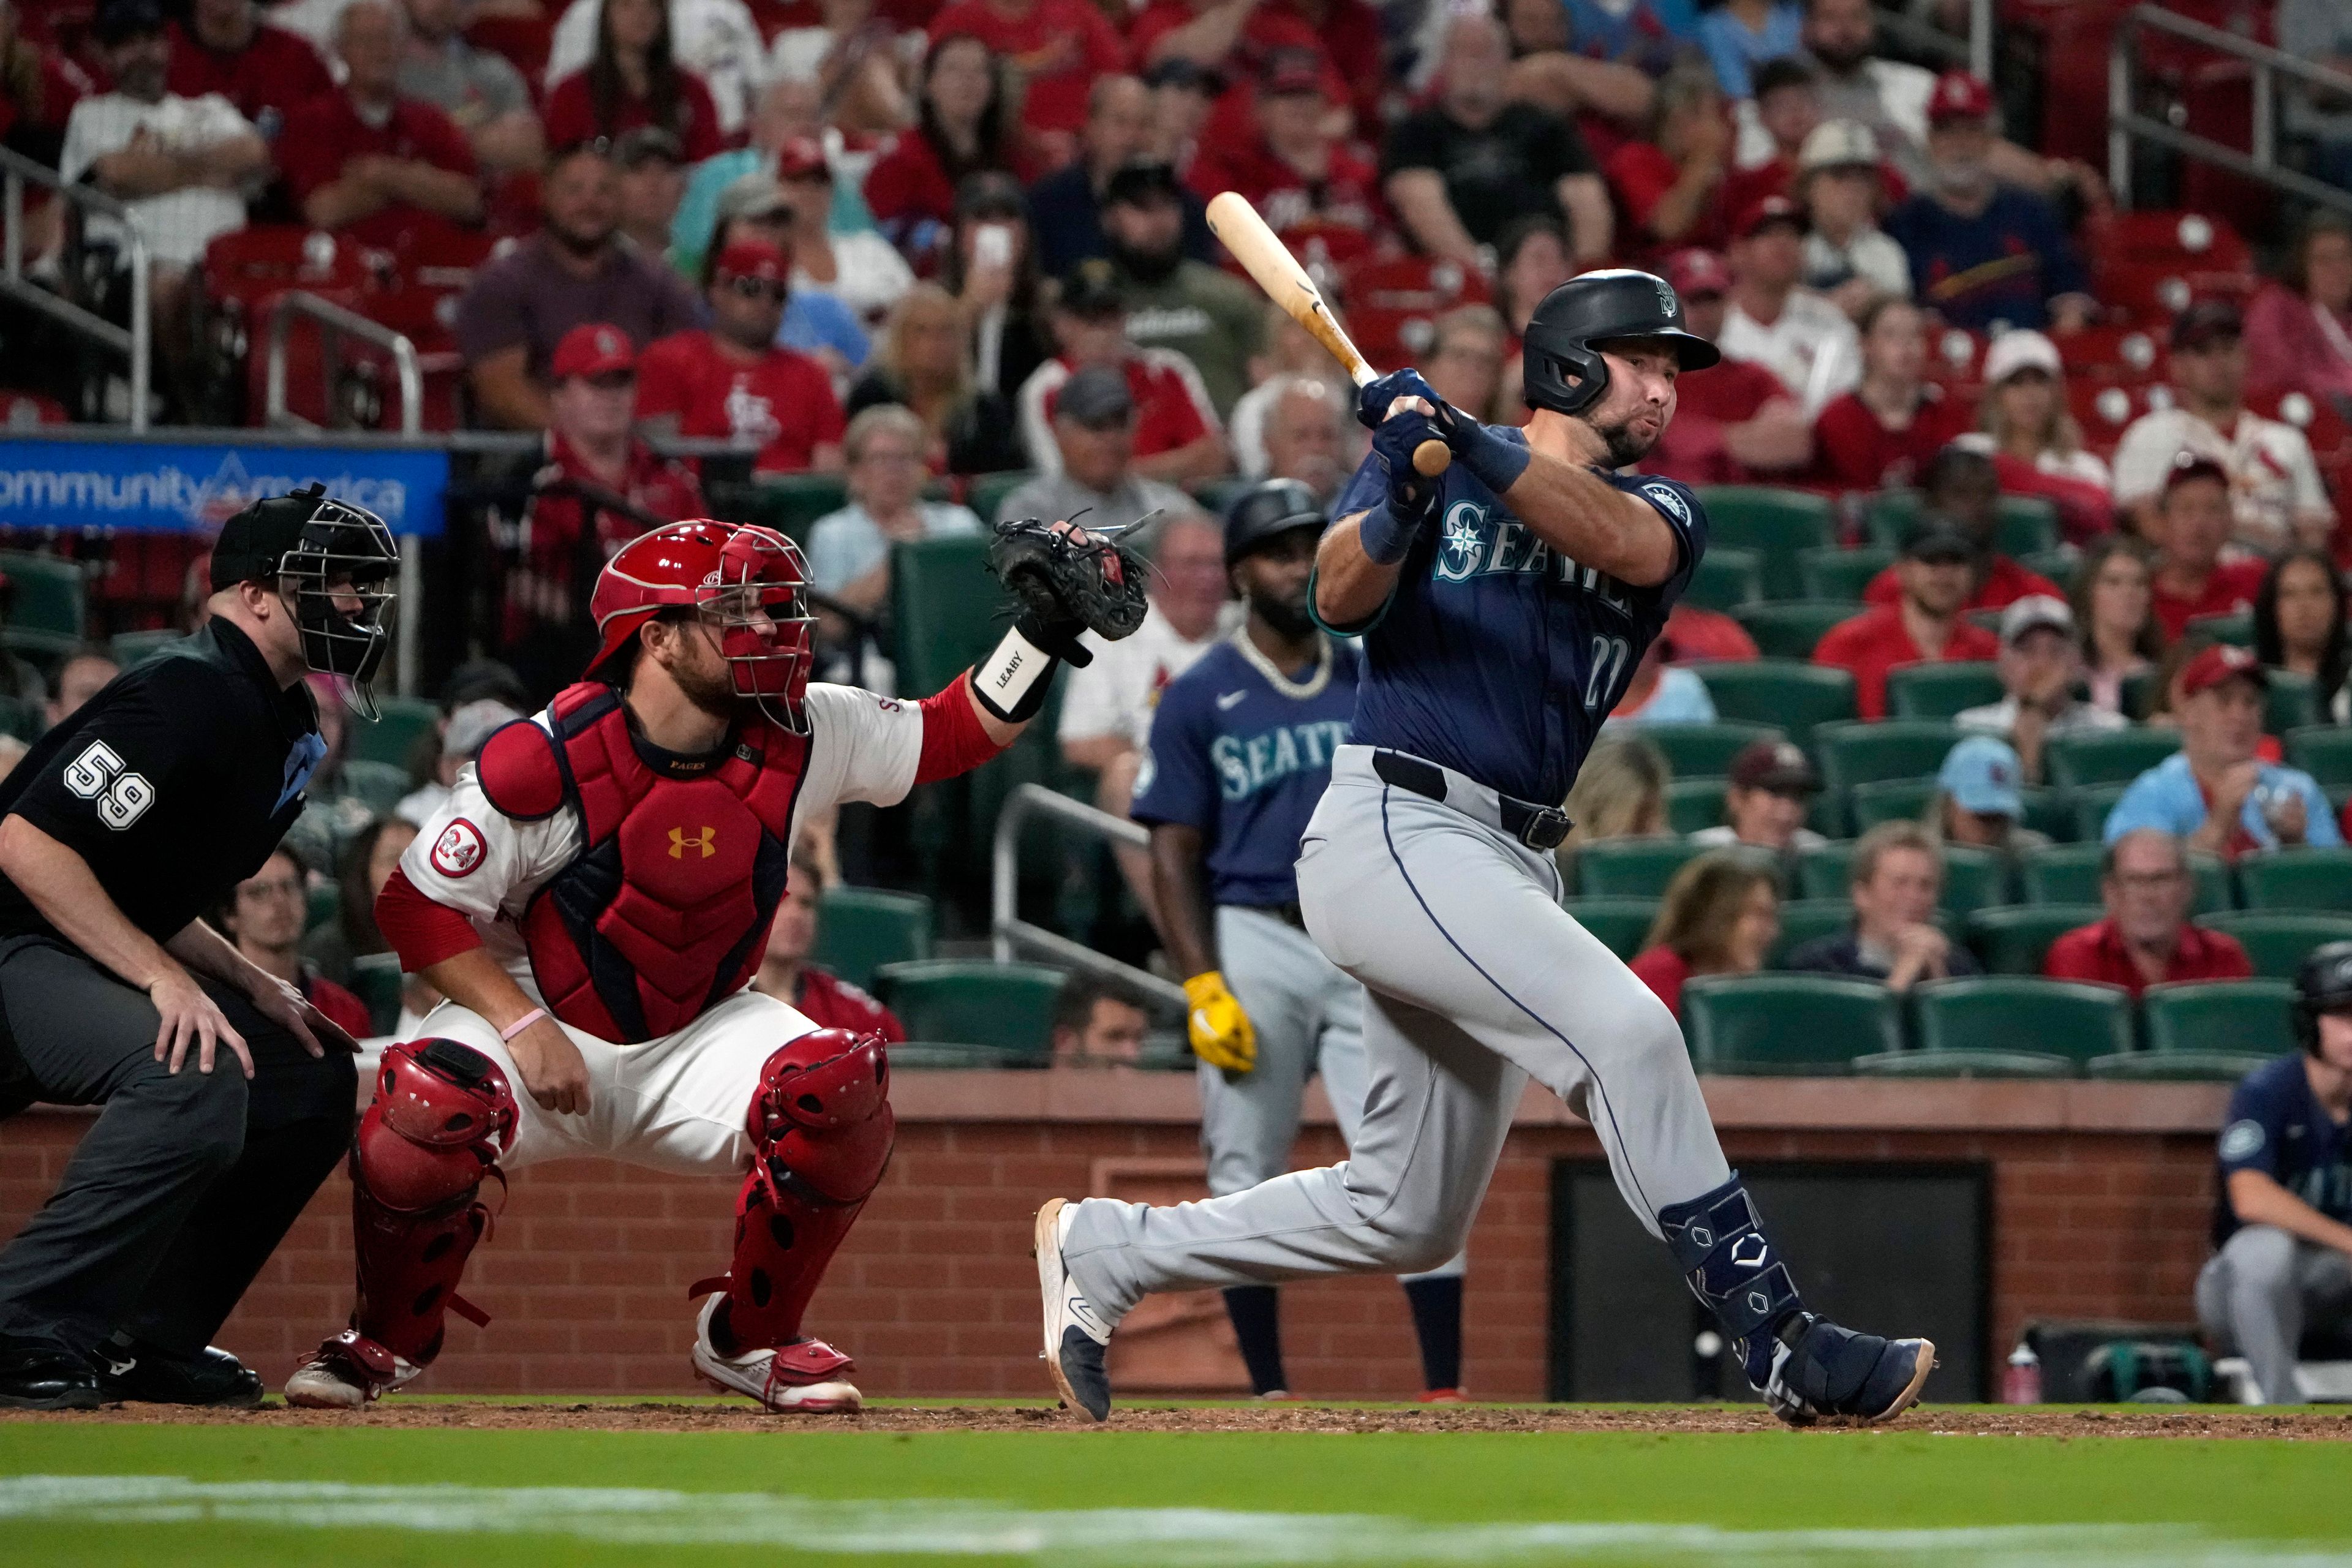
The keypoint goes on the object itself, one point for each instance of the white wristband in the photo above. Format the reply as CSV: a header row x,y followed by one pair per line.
x,y
519,1024
1004,680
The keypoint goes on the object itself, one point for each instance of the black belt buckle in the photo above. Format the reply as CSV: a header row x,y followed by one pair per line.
x,y
1543,827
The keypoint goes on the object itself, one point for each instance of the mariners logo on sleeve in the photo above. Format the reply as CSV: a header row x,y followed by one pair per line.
x,y
2240,1140
1664,498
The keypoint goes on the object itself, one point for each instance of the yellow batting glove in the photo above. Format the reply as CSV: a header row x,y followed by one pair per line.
x,y
1221,1032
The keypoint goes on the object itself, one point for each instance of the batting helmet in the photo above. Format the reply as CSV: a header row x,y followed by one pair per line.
x,y
750,581
1563,372
1267,510
2324,984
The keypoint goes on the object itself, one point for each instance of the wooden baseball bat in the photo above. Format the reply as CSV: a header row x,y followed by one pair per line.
x,y
1266,258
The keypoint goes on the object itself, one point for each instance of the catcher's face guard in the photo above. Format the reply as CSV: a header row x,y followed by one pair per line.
x,y
749,583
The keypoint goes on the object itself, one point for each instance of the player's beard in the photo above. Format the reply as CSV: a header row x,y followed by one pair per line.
x,y
1290,618
712,691
1624,446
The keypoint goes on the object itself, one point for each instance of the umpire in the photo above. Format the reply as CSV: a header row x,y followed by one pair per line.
x,y
228,1097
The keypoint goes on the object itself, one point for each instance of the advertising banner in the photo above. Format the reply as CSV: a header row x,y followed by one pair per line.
x,y
192,488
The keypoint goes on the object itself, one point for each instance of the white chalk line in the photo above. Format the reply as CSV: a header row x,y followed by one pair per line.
x,y
1173,1537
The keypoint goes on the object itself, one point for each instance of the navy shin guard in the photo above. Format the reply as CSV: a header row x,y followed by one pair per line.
x,y
1718,1242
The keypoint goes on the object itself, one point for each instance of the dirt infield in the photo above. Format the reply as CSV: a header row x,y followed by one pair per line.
x,y
2114,1421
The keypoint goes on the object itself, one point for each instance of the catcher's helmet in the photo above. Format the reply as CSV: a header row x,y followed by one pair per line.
x,y
1267,509
1563,372
2324,984
751,581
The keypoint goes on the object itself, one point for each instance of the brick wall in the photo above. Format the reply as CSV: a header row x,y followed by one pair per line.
x,y
2101,1194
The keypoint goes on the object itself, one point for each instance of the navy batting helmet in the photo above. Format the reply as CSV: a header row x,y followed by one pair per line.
x,y
2324,984
1563,372
1269,507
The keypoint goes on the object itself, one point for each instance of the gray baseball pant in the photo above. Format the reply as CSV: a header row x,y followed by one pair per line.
x,y
2258,1293
1478,981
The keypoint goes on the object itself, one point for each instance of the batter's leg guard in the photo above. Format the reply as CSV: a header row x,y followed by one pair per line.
x,y
442,1115
821,1127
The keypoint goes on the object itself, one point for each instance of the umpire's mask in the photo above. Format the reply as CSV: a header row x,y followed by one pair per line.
x,y
333,561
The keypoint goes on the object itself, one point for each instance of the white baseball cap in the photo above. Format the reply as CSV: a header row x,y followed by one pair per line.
x,y
2033,613
1836,144
2023,349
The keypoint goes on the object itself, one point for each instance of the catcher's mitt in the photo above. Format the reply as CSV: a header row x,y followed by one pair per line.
x,y
1066,584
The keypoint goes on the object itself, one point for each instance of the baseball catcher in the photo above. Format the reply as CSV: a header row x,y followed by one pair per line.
x,y
592,900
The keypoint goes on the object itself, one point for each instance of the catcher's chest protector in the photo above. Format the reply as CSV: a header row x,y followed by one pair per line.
x,y
665,909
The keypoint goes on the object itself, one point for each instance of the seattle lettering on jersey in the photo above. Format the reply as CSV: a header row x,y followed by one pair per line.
x,y
1248,764
1470,543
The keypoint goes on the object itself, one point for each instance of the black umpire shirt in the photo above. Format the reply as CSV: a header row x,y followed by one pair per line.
x,y
174,783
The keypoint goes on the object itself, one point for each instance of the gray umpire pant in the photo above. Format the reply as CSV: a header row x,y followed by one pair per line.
x,y
1310,1019
1478,981
2259,1292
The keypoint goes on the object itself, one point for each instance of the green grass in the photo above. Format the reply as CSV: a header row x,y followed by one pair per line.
x,y
2210,1492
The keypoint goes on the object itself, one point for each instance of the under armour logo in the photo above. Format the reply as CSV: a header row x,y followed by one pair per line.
x,y
705,839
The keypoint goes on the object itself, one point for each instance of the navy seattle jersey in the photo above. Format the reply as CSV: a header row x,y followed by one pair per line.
x,y
2278,1127
1496,656
1244,763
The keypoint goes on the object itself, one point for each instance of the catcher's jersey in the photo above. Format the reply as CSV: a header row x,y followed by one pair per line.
x,y
486,866
1496,656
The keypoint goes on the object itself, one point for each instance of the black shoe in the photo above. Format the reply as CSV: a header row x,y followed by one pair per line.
x,y
127,1369
1821,1370
38,1375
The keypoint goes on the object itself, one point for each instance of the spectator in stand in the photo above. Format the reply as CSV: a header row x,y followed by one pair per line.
x,y
2112,605
263,919
1797,335
590,456
482,92
1662,692
1229,45
38,90
815,322
1888,97
2277,497
1097,1023
1175,303
367,863
1067,207
2035,446
2041,665
1172,429
465,730
1183,96
1735,423
1530,261
1458,170
1670,187
1982,251
852,60
367,161
181,165
2299,627
1979,799
859,268
1924,625
1467,347
1844,190
574,271
1057,48
924,365
82,677
1787,111
1296,168
1620,792
714,41
1092,433
991,267
2320,32
963,128
2216,792
1350,33
266,73
1741,35
818,995
1885,433
1306,437
652,182
732,381
1895,880
785,109
1958,486
1771,788
1721,915
849,549
2146,940
2189,526
2299,328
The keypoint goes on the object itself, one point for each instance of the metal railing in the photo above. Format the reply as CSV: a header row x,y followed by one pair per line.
x,y
133,342
1010,934
1975,51
2127,124
335,323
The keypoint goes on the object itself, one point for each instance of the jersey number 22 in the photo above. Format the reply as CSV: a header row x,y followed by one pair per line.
x,y
1609,660
123,798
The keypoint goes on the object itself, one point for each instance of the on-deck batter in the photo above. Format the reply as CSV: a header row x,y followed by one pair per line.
x,y
1503,608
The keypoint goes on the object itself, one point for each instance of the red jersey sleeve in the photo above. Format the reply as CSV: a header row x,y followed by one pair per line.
x,y
662,376
1849,450
1641,176
438,140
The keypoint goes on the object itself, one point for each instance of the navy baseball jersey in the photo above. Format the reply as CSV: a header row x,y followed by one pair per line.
x,y
1496,656
2277,1126
1244,763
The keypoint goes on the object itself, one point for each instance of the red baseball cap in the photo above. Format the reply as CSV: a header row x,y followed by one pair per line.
x,y
2222,662
1292,70
596,349
1767,210
802,158
755,258
1696,271
1958,96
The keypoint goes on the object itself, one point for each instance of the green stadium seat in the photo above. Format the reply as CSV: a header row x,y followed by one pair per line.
x,y
1703,751
375,980
2323,751
1808,1023
988,491
392,737
322,905
1940,691
2297,879
943,587
381,784
1820,872
1788,694
1841,575
1791,628
2114,756
2138,695
1777,522
2248,1016
1727,577
861,928
928,1056
2005,1012
2051,812
2091,805
46,651
1694,804
789,503
2012,938
2279,939
2069,874
1973,879
1803,921
2237,628
1862,753
23,718
2059,565
2292,704
1631,867
2027,523
1890,800
130,649
1621,924
1006,1006
47,593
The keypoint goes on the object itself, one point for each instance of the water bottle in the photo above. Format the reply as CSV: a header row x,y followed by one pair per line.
x,y
2021,1384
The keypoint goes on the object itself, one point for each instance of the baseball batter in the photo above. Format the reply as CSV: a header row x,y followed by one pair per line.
x,y
1502,609
1241,750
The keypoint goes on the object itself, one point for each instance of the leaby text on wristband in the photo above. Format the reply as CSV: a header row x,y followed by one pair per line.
x,y
1011,682
1384,536
508,1033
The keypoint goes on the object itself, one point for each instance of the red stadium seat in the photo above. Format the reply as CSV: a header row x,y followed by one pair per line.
x,y
2104,409
1391,304
2316,418
19,410
2118,353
